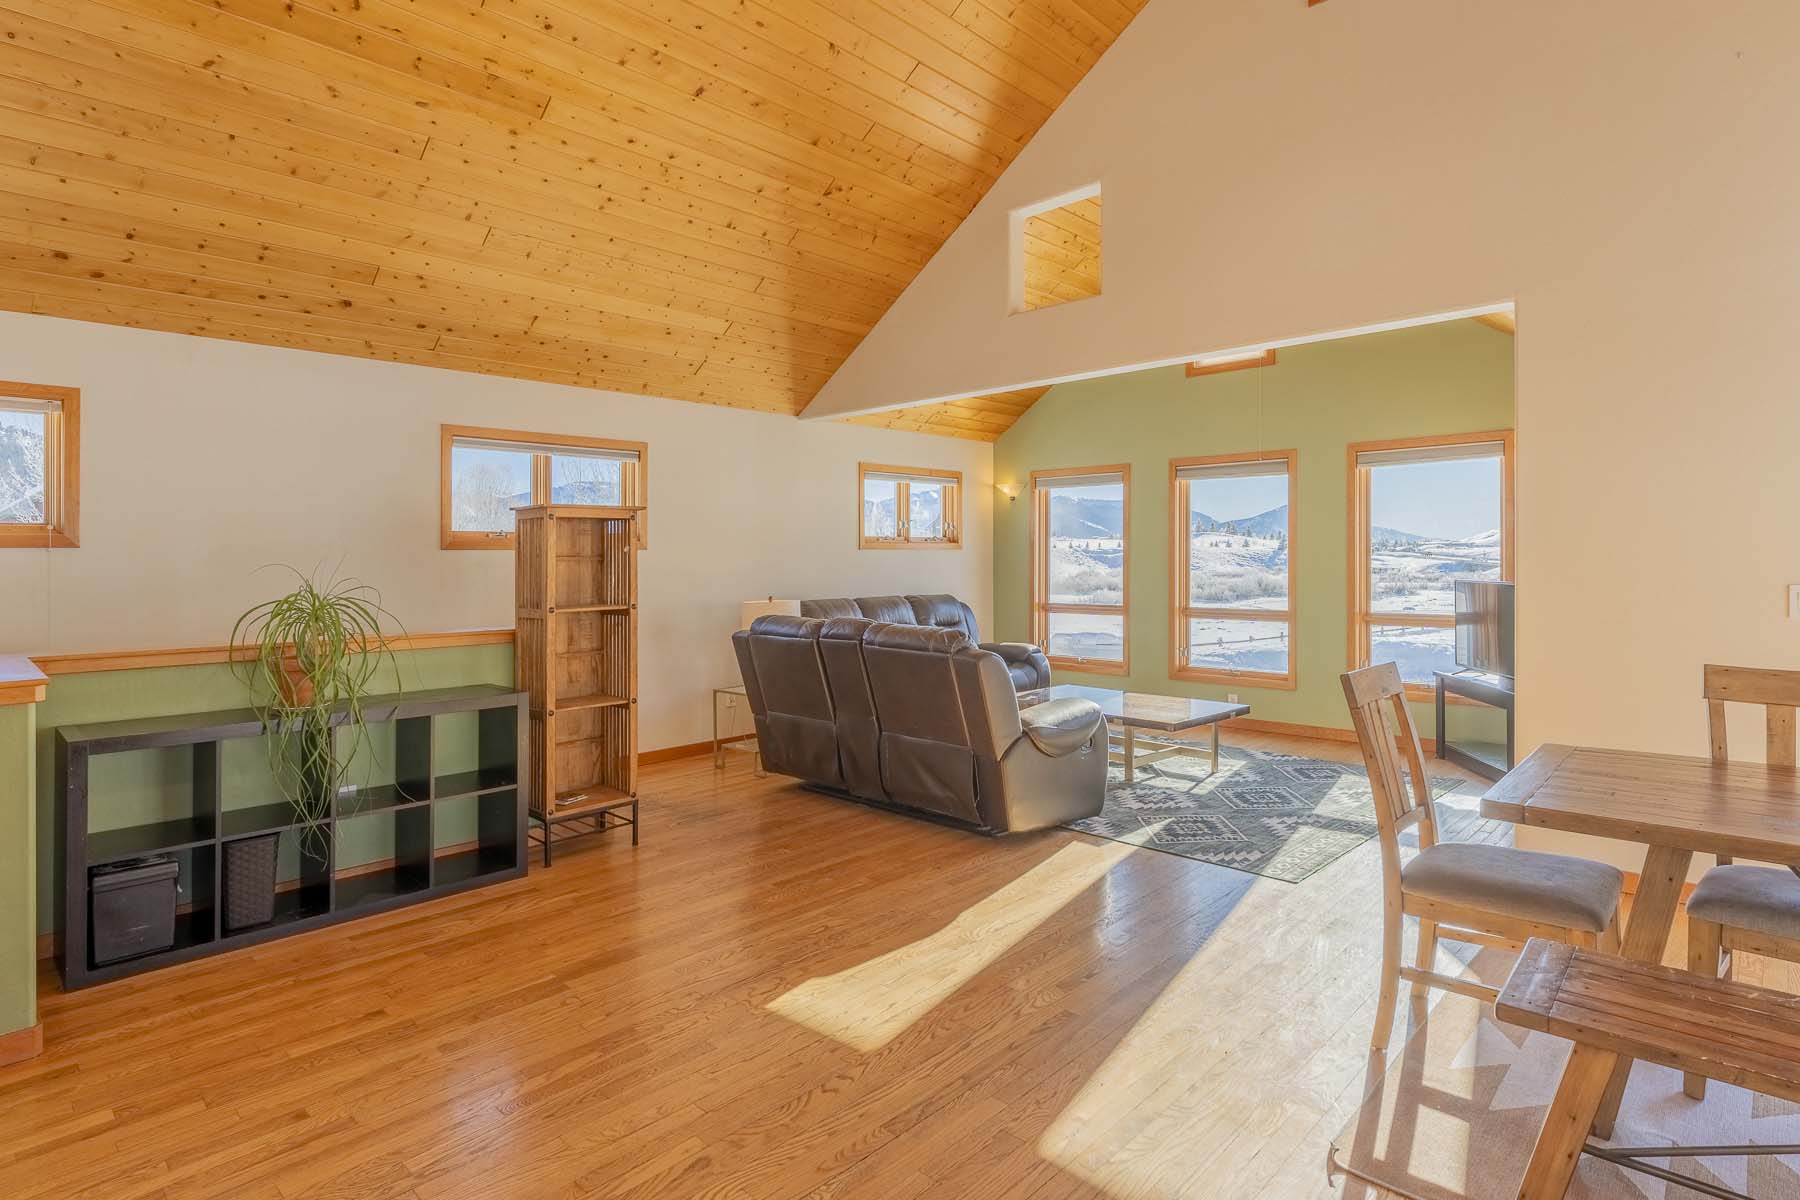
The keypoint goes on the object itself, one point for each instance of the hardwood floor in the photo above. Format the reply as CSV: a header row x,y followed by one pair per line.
x,y
776,995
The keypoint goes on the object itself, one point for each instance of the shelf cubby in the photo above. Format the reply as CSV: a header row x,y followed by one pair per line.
x,y
155,837
208,785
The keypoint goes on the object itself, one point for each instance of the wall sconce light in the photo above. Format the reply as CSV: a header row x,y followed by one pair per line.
x,y
1009,490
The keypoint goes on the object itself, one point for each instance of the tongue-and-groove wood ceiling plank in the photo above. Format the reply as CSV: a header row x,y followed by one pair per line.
x,y
710,200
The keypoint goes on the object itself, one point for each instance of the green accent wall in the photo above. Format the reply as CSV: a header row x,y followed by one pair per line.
x,y
131,788
1455,377
18,868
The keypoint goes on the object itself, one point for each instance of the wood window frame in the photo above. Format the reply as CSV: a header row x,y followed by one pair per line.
x,y
1197,369
61,527
454,539
903,539
1041,608
1180,611
1362,619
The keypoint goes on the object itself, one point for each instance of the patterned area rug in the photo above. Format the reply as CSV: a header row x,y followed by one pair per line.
x,y
1455,1114
1277,815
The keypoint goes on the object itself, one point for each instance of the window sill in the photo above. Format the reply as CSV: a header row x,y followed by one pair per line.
x,y
1089,666
36,537
896,544
1250,679
479,541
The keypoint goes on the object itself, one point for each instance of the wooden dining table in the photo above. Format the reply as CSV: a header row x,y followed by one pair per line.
x,y
1673,805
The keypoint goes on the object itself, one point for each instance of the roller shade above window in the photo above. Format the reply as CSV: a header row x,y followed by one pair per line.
x,y
14,404
915,479
1427,454
1103,479
559,451
1234,470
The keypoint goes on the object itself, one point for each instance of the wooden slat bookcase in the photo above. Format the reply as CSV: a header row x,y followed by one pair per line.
x,y
576,589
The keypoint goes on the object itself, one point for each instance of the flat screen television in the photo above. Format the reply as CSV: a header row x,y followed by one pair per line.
x,y
1484,626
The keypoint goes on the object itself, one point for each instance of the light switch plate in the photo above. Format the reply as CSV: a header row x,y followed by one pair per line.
x,y
1794,601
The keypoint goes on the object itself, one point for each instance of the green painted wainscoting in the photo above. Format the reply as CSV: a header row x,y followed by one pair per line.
x,y
1450,378
18,938
149,785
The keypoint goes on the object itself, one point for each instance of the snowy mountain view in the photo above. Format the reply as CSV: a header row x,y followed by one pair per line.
x,y
21,468
486,485
925,508
1241,562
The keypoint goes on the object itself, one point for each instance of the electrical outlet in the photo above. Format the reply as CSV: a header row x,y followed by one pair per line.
x,y
1231,698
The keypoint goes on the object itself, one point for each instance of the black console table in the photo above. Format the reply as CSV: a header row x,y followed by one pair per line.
x,y
1495,690
227,804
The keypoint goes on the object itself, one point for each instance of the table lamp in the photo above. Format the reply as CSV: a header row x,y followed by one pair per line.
x,y
749,610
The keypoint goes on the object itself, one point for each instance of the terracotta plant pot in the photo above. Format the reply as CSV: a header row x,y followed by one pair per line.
x,y
296,688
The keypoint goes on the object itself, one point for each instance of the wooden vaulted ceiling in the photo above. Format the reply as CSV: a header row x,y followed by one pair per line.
x,y
710,200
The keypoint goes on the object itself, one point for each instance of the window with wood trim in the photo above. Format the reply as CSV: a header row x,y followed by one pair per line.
x,y
1232,529
908,507
1424,512
487,473
40,466
1080,531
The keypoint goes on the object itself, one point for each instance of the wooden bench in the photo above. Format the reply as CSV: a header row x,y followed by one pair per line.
x,y
1614,1008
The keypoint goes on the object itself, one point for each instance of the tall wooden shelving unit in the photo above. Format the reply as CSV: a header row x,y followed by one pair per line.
x,y
577,660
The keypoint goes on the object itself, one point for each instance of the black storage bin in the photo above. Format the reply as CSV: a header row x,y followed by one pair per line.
x,y
133,907
250,881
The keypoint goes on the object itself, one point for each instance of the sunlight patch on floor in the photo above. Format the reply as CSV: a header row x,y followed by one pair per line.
x,y
868,1005
1245,1043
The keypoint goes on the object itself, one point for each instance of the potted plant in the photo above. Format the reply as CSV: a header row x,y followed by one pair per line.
x,y
308,658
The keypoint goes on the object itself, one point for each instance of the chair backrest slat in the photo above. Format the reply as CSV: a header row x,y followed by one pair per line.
x,y
1402,796
1777,691
1781,735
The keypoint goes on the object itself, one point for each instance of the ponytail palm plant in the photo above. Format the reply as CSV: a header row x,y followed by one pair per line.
x,y
309,658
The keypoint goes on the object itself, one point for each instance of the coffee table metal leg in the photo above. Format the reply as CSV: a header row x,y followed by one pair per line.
x,y
1215,747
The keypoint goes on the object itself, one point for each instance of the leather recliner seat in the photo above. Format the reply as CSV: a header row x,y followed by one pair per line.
x,y
1025,663
919,719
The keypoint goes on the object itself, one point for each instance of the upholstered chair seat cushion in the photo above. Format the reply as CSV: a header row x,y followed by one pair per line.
x,y
1760,899
1553,889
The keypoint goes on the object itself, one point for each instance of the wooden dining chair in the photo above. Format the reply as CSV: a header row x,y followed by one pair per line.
x,y
1461,891
1734,907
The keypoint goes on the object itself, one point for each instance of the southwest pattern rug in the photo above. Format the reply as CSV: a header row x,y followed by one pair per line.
x,y
1456,1112
1281,816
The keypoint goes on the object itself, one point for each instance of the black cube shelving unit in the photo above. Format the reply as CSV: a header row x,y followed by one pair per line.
x,y
323,893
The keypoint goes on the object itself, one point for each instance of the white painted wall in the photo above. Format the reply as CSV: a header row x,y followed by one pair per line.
x,y
1623,169
203,459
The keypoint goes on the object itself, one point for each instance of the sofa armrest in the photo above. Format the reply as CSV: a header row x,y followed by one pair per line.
x,y
1059,727
1024,662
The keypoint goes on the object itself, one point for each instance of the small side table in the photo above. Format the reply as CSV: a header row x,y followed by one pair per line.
x,y
738,699
1496,690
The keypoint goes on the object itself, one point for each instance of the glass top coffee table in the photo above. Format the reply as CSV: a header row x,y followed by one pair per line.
x,y
1134,719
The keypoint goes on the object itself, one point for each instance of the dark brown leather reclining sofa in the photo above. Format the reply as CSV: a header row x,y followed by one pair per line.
x,y
1024,662
917,718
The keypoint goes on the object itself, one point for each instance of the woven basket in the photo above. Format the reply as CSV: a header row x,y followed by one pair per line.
x,y
250,881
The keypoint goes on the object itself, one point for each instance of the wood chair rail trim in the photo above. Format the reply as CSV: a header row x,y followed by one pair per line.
x,y
21,680
196,656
